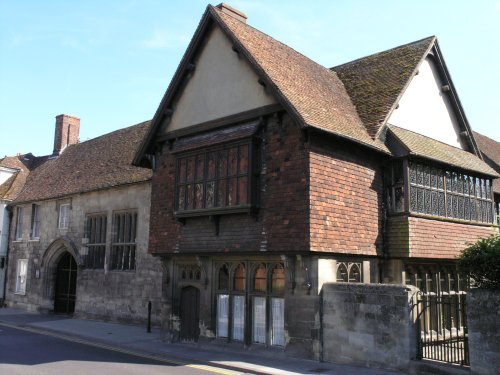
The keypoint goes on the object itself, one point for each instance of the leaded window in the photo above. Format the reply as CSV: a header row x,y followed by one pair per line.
x,y
95,234
394,179
19,223
213,178
349,272
450,194
123,245
265,298
35,222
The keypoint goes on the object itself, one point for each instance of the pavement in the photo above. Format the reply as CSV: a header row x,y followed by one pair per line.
x,y
136,341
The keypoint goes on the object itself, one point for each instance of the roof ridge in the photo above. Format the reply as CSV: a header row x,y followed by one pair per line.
x,y
111,133
432,37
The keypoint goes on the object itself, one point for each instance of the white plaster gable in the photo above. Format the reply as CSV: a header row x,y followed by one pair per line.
x,y
426,109
223,84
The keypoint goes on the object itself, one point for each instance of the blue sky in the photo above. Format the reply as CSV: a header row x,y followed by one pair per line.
x,y
110,62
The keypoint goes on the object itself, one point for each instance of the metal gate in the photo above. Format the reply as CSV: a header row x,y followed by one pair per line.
x,y
441,323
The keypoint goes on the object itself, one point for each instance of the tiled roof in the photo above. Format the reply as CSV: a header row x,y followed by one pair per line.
x,y
491,155
313,92
376,82
96,164
10,189
419,145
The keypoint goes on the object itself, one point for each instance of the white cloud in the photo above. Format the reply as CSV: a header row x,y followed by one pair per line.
x,y
165,39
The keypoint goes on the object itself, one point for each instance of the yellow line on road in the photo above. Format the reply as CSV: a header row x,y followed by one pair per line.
x,y
120,350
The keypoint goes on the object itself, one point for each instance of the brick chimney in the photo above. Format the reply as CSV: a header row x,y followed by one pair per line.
x,y
67,132
240,16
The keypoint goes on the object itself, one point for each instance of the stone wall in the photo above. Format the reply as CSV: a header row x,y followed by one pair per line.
x,y
483,316
368,325
100,293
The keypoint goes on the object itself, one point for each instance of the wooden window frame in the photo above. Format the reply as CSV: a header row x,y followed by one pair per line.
x,y
19,224
251,189
96,240
35,222
120,242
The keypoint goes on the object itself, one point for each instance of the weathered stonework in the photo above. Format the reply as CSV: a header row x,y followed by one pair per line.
x,y
100,293
483,318
368,325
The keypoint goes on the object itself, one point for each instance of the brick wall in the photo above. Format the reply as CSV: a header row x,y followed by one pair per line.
x,y
346,198
431,238
281,223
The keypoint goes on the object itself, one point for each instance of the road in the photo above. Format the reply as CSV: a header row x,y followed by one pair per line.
x,y
26,352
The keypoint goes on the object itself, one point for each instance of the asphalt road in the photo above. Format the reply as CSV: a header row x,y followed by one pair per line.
x,y
24,352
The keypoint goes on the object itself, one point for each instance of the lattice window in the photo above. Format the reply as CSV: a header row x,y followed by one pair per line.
x,y
450,194
123,246
349,272
95,234
213,178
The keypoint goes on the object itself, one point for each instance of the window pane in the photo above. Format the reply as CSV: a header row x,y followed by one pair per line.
x,y
190,169
221,193
222,163
182,170
342,275
210,194
233,161
242,190
278,280
22,271
238,318
222,315
181,198
232,190
260,281
189,197
223,278
354,273
200,167
211,165
243,160
239,278
278,321
198,198
259,320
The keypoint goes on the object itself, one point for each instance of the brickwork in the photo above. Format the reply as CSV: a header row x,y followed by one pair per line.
x,y
419,237
345,198
281,223
66,133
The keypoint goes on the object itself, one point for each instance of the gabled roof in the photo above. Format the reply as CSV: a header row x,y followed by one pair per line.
x,y
23,164
420,145
490,149
311,93
375,83
99,163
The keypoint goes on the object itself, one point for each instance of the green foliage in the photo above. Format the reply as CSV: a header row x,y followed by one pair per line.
x,y
481,261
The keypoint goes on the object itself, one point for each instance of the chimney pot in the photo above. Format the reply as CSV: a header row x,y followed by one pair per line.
x,y
240,16
66,133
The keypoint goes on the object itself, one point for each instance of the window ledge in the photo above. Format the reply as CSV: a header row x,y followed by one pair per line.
x,y
20,293
34,239
441,218
215,211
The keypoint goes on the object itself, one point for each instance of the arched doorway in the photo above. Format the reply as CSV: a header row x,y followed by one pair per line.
x,y
65,285
190,313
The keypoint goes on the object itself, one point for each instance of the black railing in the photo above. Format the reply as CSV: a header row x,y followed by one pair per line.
x,y
441,323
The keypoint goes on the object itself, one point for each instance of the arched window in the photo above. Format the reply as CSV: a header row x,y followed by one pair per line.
x,y
239,278
342,275
278,279
260,279
223,279
354,273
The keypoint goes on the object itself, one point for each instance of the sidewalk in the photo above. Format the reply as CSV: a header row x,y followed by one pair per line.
x,y
135,340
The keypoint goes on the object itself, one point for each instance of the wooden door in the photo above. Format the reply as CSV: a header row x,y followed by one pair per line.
x,y
65,289
190,314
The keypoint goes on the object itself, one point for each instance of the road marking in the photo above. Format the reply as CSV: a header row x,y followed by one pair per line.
x,y
217,370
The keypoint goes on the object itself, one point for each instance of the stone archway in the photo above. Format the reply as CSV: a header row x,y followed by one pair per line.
x,y
50,260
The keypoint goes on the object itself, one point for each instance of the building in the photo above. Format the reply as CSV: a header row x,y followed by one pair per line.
x,y
273,175
13,173
490,149
78,242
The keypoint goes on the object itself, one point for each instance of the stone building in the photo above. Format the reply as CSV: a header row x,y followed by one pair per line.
x,y
273,175
80,228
